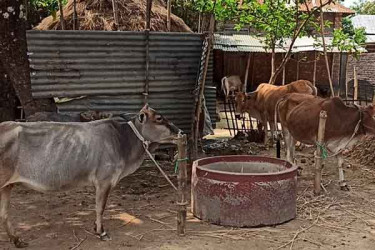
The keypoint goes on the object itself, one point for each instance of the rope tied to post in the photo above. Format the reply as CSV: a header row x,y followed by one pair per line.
x,y
178,162
323,149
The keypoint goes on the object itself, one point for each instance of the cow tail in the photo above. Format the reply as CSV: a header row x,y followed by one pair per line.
x,y
275,114
314,89
223,85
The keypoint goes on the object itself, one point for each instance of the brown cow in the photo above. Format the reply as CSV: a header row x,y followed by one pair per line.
x,y
344,127
261,103
231,84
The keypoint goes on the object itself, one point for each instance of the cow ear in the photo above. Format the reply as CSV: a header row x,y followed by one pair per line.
x,y
142,117
146,107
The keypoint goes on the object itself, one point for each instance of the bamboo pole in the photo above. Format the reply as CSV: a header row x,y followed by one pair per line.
x,y
325,51
62,22
198,106
182,191
318,155
244,87
199,22
355,97
115,13
169,6
346,77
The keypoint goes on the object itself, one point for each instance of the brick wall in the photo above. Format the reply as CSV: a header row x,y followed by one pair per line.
x,y
365,67
300,66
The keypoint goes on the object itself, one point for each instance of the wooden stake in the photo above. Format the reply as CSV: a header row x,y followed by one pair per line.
x,y
169,6
283,80
182,192
355,97
373,98
115,13
62,22
244,88
199,22
318,156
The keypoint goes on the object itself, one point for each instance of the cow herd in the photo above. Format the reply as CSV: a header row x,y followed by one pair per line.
x,y
297,107
58,156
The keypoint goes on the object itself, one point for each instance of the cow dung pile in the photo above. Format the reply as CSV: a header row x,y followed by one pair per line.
x,y
98,15
364,152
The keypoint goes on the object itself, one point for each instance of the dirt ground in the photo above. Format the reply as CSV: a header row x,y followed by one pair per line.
x,y
141,214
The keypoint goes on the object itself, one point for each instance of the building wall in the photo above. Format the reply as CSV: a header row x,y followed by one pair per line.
x,y
300,66
365,67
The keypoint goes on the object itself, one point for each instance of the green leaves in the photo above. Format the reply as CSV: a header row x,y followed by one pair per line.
x,y
50,5
349,39
364,7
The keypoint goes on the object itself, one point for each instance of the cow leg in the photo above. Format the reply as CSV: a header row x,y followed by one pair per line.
x,y
4,216
265,123
102,192
343,185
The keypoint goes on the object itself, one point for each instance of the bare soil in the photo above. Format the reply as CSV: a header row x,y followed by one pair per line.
x,y
141,215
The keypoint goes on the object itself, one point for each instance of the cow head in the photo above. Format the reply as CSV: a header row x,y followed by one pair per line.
x,y
245,102
369,119
154,127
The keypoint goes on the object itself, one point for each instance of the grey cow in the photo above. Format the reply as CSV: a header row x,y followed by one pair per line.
x,y
52,156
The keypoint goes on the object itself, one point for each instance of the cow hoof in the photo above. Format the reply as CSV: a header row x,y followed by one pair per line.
x,y
344,187
105,237
18,243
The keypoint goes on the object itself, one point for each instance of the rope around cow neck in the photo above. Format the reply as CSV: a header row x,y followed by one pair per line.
x,y
145,145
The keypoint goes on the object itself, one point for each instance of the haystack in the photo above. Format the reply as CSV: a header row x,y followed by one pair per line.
x,y
98,15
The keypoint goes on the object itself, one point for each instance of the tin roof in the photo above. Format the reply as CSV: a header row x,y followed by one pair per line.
x,y
365,21
332,7
249,43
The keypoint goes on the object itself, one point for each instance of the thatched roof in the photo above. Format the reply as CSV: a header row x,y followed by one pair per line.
x,y
98,15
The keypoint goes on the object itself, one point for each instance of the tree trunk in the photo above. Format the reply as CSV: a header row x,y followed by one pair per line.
x,y
13,56
273,61
325,51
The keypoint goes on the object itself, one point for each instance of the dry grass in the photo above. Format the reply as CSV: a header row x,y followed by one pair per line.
x,y
98,15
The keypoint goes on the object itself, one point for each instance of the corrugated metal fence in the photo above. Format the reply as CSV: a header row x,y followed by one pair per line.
x,y
108,68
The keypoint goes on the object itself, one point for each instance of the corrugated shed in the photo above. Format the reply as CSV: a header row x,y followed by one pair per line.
x,y
365,21
109,69
248,43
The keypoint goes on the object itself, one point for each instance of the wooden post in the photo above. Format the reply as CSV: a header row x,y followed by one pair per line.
x,y
182,191
297,75
199,99
373,98
75,18
325,51
169,6
147,35
62,22
115,13
244,88
283,80
199,22
318,156
314,76
355,97
148,14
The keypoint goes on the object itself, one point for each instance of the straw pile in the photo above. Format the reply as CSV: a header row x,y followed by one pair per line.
x,y
98,15
364,152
